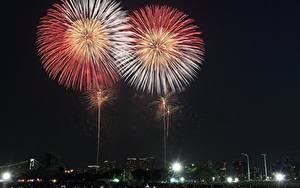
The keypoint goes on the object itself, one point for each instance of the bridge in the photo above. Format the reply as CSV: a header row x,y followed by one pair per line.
x,y
26,165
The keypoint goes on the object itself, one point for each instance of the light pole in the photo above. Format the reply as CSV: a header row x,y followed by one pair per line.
x,y
248,166
265,164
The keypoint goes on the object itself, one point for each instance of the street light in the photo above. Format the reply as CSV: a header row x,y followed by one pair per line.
x,y
176,167
116,180
248,166
173,180
6,176
229,179
279,176
182,179
265,164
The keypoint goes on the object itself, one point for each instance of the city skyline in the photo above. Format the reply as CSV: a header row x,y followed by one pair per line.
x,y
233,168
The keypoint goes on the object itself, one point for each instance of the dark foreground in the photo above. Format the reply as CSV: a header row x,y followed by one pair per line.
x,y
151,185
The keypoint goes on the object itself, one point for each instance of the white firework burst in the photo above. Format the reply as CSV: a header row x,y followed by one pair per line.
x,y
167,50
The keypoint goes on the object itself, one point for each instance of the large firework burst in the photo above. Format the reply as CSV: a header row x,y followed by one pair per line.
x,y
167,50
80,41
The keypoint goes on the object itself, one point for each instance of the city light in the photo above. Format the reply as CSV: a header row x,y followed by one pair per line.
x,y
69,171
232,180
173,180
39,180
279,176
176,167
236,180
54,180
229,179
116,180
182,179
6,176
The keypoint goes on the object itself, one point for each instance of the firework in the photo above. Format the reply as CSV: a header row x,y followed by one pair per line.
x,y
96,98
80,42
167,50
167,105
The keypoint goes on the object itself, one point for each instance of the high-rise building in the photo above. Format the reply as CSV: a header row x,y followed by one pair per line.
x,y
146,163
256,173
209,164
109,165
131,163
240,169
221,168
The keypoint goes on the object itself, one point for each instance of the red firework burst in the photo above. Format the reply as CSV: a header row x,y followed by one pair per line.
x,y
167,50
79,42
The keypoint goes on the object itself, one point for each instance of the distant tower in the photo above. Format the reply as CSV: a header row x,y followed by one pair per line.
x,y
31,163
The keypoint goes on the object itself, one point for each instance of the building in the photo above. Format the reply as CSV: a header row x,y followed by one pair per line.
x,y
109,165
221,168
256,173
145,163
131,163
240,169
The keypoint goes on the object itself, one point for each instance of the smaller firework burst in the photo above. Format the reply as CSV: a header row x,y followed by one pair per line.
x,y
166,105
96,98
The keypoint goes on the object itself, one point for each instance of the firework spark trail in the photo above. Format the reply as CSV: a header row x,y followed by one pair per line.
x,y
167,105
81,41
96,98
166,50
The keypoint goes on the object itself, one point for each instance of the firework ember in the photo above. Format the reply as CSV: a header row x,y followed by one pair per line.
x,y
80,42
167,50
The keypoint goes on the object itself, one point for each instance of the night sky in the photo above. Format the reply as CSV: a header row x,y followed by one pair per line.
x,y
245,99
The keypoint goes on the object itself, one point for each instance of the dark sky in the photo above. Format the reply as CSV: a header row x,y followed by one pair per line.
x,y
246,98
